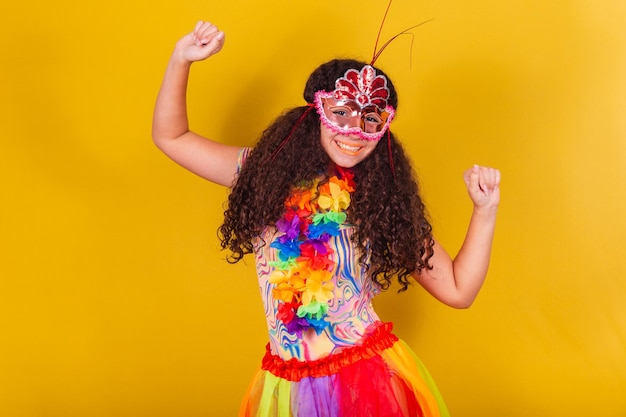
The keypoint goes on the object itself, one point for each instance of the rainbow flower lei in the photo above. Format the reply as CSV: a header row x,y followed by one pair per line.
x,y
302,276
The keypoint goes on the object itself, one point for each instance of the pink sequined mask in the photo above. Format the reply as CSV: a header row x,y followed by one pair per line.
x,y
358,105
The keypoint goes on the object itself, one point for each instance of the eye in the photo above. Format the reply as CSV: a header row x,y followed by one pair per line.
x,y
372,118
340,112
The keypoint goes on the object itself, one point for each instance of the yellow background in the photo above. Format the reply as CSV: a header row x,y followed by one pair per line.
x,y
114,298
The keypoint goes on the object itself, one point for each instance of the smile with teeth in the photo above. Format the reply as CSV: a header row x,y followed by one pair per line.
x,y
348,149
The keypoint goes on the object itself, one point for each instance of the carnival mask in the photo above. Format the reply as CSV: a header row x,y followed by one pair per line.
x,y
358,105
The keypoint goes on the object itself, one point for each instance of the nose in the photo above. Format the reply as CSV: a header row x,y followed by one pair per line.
x,y
355,121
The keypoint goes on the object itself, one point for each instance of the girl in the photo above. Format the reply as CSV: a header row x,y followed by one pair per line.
x,y
332,216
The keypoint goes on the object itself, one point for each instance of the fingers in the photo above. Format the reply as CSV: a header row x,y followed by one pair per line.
x,y
205,33
485,179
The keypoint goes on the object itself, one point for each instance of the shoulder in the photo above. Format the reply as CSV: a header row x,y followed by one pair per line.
x,y
242,157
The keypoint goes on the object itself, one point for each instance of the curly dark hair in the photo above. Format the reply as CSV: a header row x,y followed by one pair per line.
x,y
391,226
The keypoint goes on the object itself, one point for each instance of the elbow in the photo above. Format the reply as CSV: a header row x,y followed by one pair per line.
x,y
160,141
157,137
462,305
160,134
461,302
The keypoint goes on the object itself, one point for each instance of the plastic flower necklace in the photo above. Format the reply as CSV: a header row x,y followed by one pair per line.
x,y
302,275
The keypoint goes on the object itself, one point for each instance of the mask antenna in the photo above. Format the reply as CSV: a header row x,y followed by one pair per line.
x,y
406,31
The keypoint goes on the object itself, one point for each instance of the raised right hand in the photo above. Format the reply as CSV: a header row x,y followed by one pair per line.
x,y
205,40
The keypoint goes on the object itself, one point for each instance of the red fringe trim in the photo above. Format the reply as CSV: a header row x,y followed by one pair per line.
x,y
379,339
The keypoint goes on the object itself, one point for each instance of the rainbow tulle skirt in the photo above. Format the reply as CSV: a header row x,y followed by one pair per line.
x,y
379,377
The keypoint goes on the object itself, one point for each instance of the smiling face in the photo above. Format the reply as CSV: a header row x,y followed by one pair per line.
x,y
355,109
345,151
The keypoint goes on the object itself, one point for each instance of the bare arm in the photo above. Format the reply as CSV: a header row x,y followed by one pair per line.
x,y
457,282
170,127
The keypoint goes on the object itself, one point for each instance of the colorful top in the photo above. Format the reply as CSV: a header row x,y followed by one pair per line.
x,y
345,291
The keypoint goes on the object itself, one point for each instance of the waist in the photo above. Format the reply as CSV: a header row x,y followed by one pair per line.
x,y
378,338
